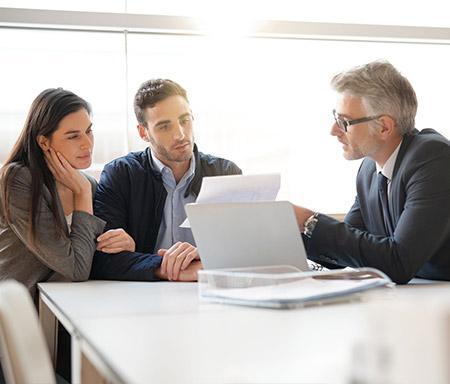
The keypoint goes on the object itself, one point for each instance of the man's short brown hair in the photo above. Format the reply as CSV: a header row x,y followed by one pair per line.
x,y
153,91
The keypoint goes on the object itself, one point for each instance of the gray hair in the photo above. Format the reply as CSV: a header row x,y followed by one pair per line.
x,y
383,91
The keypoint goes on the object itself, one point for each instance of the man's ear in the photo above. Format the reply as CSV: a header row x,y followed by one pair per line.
x,y
43,142
143,132
388,125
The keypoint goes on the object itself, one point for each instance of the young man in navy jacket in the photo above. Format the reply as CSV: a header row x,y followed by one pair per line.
x,y
141,196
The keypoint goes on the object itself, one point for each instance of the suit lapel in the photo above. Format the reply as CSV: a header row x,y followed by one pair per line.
x,y
393,193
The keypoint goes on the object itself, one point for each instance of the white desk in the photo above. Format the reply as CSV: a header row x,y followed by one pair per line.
x,y
159,333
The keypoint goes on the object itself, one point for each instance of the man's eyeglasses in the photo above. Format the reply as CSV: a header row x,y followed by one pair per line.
x,y
344,123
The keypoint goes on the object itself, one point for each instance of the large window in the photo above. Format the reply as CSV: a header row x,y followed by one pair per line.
x,y
263,102
266,103
89,64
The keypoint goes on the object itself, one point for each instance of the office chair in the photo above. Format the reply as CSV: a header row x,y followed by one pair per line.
x,y
23,351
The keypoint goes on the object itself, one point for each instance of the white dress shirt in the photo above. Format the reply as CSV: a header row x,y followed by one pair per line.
x,y
388,169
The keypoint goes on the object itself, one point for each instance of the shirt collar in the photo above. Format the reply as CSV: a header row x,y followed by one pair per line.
x,y
160,167
190,172
388,169
157,165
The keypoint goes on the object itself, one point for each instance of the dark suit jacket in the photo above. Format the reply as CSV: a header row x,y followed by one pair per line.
x,y
419,203
131,195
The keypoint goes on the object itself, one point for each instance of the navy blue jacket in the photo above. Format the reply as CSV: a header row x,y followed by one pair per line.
x,y
419,203
131,195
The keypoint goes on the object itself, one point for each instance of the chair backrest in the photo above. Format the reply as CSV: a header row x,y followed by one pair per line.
x,y
25,357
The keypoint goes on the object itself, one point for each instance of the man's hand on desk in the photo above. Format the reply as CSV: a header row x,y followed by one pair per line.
x,y
190,273
178,262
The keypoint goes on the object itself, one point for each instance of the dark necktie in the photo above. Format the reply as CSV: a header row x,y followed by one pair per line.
x,y
382,194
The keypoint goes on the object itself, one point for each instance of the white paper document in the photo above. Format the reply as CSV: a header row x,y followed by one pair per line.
x,y
238,189
295,291
286,290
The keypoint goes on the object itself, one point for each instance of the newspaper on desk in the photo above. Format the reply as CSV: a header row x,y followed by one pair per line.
x,y
238,189
285,286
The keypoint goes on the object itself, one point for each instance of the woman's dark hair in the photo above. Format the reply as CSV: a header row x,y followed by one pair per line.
x,y
44,116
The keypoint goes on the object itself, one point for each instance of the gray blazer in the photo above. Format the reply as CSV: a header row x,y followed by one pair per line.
x,y
68,256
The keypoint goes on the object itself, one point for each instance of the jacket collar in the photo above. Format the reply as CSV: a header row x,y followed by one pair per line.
x,y
407,139
195,184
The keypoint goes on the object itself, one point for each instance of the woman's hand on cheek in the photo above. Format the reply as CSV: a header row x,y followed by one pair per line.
x,y
65,174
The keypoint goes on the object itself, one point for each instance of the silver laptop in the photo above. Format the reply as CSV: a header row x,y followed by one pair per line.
x,y
234,235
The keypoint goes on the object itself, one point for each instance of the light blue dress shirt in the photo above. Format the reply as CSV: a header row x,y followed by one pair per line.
x,y
174,213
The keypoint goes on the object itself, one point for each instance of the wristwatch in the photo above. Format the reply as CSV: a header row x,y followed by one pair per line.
x,y
310,224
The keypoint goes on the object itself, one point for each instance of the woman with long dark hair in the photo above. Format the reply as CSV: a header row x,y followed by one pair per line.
x,y
47,226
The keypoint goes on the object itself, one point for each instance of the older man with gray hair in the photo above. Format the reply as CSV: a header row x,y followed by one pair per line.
x,y
400,221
